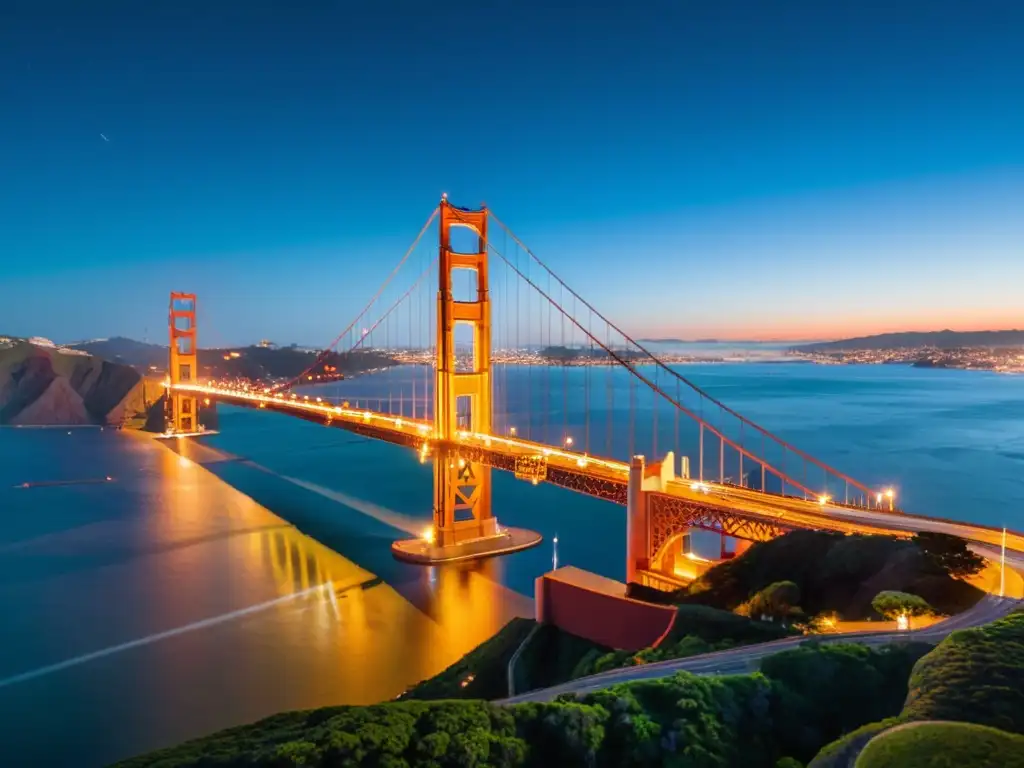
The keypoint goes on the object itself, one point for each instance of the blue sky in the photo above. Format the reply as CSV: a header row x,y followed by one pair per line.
x,y
740,170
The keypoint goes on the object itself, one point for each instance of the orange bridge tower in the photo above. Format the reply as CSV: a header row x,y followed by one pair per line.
x,y
182,409
464,526
462,390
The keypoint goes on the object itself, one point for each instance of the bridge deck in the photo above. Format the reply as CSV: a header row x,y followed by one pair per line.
x,y
608,479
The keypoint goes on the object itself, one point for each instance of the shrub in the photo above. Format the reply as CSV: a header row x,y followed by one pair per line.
x,y
943,745
891,604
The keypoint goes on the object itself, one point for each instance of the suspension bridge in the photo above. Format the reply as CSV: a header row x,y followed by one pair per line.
x,y
477,356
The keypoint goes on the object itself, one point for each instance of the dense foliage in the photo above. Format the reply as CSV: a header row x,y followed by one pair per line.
x,y
949,554
973,676
833,572
943,745
779,601
833,689
684,720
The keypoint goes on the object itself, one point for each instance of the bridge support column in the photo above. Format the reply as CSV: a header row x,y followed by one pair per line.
x,y
464,526
182,409
638,524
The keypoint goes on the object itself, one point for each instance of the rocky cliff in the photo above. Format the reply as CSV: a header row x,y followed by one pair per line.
x,y
41,385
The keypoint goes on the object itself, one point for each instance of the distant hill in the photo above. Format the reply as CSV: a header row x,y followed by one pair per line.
x,y
42,384
915,339
681,341
262,363
700,341
118,349
235,362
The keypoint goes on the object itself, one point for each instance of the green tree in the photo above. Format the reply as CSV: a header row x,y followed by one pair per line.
x,y
891,604
828,690
777,601
949,554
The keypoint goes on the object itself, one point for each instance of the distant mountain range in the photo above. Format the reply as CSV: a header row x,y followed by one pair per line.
x,y
917,339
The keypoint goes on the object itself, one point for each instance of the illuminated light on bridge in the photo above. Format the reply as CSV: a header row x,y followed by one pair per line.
x,y
476,421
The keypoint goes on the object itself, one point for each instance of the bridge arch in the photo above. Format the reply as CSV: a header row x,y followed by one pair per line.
x,y
657,520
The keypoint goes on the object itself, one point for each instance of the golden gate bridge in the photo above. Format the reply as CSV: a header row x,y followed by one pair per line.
x,y
491,361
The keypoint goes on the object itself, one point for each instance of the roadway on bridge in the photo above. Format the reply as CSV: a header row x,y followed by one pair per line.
x,y
785,511
747,658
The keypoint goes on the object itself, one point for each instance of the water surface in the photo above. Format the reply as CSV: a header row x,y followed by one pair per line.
x,y
182,596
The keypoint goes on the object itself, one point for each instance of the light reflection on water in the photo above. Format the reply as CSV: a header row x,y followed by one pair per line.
x,y
153,557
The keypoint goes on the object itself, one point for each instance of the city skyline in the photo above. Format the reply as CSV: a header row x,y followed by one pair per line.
x,y
813,173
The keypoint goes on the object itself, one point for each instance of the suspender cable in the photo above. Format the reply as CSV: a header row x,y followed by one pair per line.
x,y
657,362
632,416
326,351
565,387
586,385
675,438
654,417
609,378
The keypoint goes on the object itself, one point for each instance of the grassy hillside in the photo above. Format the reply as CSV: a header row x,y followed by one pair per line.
x,y
943,745
974,675
554,657
480,674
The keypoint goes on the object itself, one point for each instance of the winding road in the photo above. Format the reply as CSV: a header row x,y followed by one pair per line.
x,y
748,658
